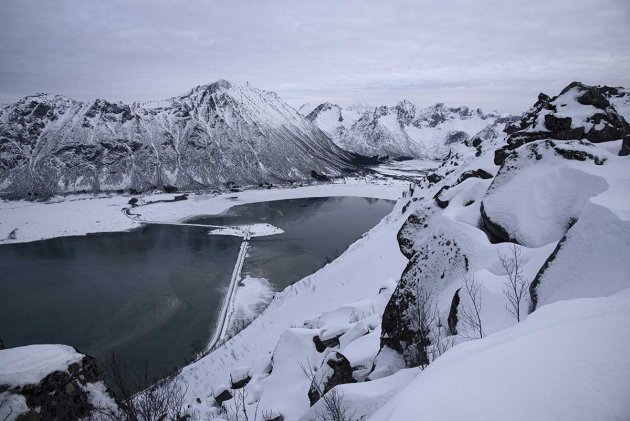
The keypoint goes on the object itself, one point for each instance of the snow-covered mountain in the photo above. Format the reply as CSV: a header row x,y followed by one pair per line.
x,y
214,135
399,131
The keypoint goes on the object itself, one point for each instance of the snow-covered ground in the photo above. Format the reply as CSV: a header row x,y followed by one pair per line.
x,y
409,168
248,231
30,364
567,361
84,214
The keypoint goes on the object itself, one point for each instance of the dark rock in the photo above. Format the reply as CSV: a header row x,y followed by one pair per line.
x,y
612,125
494,228
319,177
321,346
223,396
478,173
61,394
433,177
133,201
501,154
625,146
578,155
340,373
405,235
180,197
58,397
29,416
593,96
533,286
456,137
442,203
556,124
452,314
241,383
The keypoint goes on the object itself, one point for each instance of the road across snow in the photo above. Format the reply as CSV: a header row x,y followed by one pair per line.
x,y
223,322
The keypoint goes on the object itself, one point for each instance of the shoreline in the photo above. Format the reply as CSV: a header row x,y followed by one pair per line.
x,y
174,213
82,215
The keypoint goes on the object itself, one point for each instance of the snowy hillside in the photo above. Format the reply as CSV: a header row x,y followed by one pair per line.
x,y
213,136
496,289
398,131
513,302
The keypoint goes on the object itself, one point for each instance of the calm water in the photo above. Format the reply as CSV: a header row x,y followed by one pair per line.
x,y
154,293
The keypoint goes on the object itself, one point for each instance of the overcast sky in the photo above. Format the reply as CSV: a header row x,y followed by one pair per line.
x,y
493,54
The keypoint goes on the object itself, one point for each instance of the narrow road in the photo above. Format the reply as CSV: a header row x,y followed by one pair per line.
x,y
227,308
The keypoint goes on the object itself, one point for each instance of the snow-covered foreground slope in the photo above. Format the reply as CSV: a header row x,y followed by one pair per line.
x,y
214,135
567,361
401,130
556,208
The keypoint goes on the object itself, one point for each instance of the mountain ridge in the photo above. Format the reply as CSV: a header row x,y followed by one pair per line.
x,y
213,136
399,131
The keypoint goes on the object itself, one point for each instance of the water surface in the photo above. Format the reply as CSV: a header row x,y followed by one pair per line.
x,y
155,293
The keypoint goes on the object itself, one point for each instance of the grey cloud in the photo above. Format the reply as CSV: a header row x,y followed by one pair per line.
x,y
495,54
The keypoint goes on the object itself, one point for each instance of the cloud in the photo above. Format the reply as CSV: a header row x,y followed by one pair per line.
x,y
498,54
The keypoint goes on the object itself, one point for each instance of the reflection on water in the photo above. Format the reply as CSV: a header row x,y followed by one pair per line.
x,y
155,292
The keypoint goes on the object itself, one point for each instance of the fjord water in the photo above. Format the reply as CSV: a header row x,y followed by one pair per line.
x,y
154,293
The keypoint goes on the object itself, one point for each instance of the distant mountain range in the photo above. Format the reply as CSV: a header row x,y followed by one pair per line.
x,y
400,131
214,136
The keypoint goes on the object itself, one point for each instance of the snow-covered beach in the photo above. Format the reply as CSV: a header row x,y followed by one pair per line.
x,y
85,214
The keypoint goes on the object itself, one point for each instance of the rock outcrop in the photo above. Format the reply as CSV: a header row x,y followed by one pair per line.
x,y
579,112
52,382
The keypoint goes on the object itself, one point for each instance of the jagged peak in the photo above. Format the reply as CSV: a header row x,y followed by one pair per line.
x,y
325,106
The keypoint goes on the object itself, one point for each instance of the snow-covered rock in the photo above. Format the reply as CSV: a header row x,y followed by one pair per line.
x,y
214,135
50,382
578,112
568,361
541,189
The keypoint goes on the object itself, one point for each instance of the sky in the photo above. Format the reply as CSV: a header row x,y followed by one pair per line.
x,y
490,54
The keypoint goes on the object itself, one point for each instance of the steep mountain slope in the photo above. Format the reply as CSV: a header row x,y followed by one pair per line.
x,y
398,131
558,205
214,135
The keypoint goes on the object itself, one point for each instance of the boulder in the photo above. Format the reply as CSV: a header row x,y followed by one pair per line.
x,y
452,314
590,115
56,382
625,146
336,370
